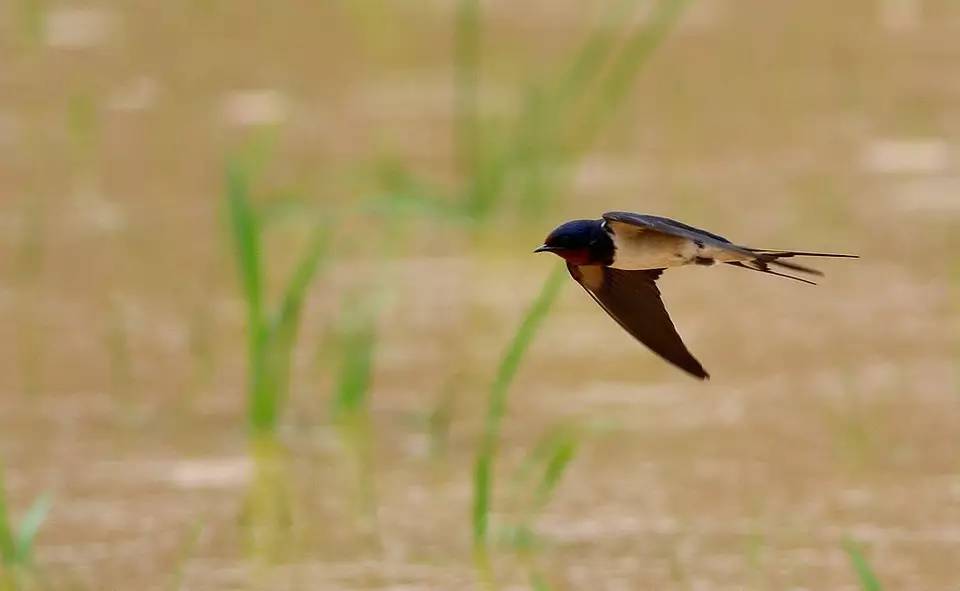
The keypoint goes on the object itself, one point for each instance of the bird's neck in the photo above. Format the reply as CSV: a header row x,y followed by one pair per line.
x,y
601,251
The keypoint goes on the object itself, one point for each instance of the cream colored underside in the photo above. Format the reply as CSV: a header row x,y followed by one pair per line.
x,y
638,248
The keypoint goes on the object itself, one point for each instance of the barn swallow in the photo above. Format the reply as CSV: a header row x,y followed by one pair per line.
x,y
618,259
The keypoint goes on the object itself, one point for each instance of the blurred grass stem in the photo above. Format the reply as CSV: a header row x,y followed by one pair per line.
x,y
496,410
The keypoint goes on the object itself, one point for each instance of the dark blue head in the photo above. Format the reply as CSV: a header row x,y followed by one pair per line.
x,y
581,242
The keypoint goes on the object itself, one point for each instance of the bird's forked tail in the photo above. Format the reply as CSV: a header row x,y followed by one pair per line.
x,y
763,259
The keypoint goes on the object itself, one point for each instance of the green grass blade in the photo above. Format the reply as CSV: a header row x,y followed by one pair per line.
x,y
30,527
536,153
563,452
641,46
245,232
560,119
534,147
538,582
255,153
488,182
403,193
540,141
635,53
357,344
357,338
868,580
246,237
497,404
597,49
485,167
8,546
284,329
536,457
270,340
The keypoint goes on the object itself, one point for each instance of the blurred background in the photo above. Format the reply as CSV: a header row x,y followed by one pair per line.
x,y
269,317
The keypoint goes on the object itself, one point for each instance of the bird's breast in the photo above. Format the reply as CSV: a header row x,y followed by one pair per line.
x,y
652,250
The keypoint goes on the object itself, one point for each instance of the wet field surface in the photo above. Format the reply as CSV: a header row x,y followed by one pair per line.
x,y
833,412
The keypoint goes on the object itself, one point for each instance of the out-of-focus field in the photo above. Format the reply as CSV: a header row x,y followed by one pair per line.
x,y
833,416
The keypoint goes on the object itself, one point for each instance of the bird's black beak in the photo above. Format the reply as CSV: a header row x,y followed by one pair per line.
x,y
544,248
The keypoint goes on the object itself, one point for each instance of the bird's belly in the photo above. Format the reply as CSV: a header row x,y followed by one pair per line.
x,y
652,250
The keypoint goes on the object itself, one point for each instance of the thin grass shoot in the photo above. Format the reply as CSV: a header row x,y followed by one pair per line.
x,y
17,541
496,411
865,576
357,340
270,335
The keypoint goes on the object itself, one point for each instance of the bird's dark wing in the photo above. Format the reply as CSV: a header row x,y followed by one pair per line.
x,y
633,300
664,226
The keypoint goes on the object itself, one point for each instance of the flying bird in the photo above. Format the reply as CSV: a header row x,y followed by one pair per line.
x,y
618,259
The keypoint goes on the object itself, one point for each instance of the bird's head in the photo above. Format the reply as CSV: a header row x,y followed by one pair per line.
x,y
580,242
